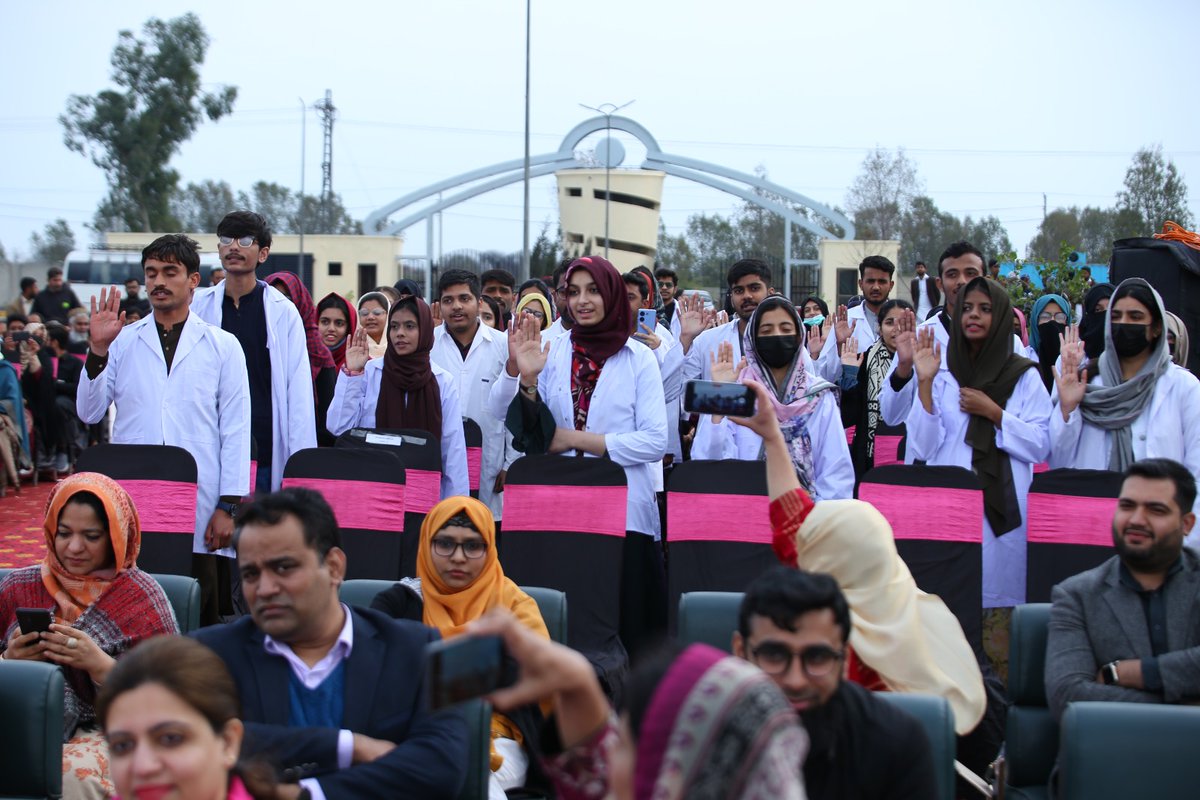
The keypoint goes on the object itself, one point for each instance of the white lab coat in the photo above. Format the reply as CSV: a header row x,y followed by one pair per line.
x,y
353,406
293,412
202,405
627,407
922,301
939,440
1168,428
670,364
833,471
473,380
697,364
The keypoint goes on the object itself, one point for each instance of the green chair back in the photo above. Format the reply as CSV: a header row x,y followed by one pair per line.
x,y
361,591
1031,734
184,594
553,606
478,716
709,618
31,705
937,719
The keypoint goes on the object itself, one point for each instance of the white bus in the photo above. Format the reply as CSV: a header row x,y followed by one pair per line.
x,y
89,271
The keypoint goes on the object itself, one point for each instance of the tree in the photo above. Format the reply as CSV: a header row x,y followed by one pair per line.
x,y
273,201
201,206
544,257
673,251
53,245
988,234
287,212
926,230
1060,227
1154,191
882,193
132,134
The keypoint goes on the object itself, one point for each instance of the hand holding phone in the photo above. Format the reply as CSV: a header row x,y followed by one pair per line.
x,y
720,399
647,320
463,668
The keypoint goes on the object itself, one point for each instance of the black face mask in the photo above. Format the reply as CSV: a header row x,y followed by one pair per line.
x,y
1049,344
777,351
1129,340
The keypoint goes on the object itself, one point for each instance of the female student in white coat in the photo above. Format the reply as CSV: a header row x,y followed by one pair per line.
x,y
404,389
806,408
990,413
1130,403
605,392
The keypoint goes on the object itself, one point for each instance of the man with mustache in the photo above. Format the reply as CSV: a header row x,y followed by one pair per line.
x,y
749,282
794,625
1127,631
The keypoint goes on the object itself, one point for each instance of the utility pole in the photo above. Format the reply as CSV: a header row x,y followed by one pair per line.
x,y
525,215
328,112
1043,208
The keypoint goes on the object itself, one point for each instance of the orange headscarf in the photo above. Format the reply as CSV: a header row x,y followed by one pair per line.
x,y
75,593
450,610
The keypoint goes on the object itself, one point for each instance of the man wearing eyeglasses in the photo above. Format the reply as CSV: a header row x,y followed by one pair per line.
x,y
266,323
794,626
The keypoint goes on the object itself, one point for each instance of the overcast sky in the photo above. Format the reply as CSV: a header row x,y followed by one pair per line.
x,y
996,102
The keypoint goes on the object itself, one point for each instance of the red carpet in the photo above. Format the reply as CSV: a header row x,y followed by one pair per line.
x,y
21,539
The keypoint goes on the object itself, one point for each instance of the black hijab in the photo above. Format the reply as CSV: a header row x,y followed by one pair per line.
x,y
994,370
1091,323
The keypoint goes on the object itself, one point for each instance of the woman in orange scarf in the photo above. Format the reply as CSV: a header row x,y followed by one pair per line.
x,y
459,579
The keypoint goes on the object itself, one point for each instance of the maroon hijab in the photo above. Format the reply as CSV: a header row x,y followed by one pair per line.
x,y
409,395
609,335
319,357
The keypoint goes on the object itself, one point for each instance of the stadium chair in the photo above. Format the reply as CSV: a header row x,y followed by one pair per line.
x,y
553,606
31,705
474,437
361,591
718,527
936,514
1069,529
937,719
184,594
709,618
1031,737
367,490
478,716
1124,750
3,573
161,480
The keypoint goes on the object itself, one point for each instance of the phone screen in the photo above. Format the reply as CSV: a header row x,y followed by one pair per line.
x,y
34,619
463,668
713,397
647,317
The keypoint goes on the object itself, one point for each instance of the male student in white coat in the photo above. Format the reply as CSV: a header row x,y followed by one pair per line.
x,y
875,280
749,282
176,380
271,333
474,354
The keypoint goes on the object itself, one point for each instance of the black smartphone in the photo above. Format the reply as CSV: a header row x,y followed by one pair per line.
x,y
713,397
464,668
21,336
34,619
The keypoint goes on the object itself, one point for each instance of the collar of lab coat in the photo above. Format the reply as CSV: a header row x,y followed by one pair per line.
x,y
194,329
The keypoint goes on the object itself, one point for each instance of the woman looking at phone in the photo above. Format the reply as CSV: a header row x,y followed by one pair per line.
x,y
101,603
806,408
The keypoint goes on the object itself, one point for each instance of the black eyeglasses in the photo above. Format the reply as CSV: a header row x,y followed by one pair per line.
x,y
243,241
816,660
445,547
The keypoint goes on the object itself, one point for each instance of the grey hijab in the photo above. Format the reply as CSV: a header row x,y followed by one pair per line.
x,y
1115,405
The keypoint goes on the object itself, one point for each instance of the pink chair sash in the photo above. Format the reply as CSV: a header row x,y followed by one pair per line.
x,y
1070,519
928,513
359,505
718,518
164,506
586,509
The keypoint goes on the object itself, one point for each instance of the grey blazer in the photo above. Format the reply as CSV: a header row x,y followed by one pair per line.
x,y
1095,620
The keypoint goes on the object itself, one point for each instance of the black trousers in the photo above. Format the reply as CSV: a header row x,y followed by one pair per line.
x,y
643,595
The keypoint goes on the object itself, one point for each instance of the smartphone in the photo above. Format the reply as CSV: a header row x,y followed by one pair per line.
x,y
713,397
464,668
21,336
647,317
34,619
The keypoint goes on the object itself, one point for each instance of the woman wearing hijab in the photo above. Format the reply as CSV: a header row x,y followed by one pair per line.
x,y
372,317
404,389
337,321
1177,340
537,306
1139,405
459,579
807,411
605,394
1051,315
988,413
102,605
860,403
1093,320
324,368
1022,328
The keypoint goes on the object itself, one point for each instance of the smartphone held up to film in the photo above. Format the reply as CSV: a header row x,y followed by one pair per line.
x,y
723,399
465,667
34,619
647,320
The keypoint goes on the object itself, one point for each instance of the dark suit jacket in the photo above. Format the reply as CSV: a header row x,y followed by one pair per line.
x,y
931,290
1095,620
384,700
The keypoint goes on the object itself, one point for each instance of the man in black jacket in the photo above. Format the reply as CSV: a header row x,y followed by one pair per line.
x,y
55,302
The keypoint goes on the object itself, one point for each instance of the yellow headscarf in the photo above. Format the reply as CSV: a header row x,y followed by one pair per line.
x,y
536,298
73,594
449,610
907,636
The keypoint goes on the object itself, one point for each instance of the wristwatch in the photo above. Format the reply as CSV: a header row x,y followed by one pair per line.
x,y
228,508
529,390
1109,673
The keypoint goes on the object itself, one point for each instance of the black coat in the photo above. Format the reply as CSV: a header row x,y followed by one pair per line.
x,y
931,290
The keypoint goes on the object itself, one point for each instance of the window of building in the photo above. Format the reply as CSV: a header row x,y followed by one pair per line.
x,y
335,268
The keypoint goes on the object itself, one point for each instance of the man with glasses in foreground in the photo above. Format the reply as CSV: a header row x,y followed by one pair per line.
x,y
794,626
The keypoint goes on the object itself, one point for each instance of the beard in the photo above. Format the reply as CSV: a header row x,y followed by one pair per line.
x,y
1157,555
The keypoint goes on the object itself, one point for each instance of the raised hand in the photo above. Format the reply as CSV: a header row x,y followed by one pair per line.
x,y
721,364
927,357
692,318
906,342
1071,382
107,320
843,328
530,355
815,338
358,351
850,355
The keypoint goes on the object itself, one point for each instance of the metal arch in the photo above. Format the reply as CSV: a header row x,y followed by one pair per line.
x,y
597,124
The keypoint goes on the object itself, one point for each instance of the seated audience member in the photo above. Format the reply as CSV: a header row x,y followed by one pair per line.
x,y
102,603
320,360
795,626
79,326
1126,631
170,713
806,408
698,723
11,349
133,300
1131,403
372,318
459,579
1177,340
332,694
491,312
50,382
404,389
337,322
